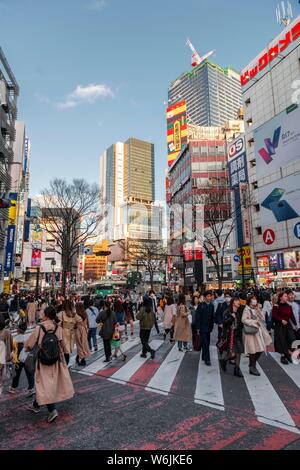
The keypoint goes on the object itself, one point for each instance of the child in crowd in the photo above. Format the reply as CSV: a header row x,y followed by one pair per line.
x,y
116,343
19,358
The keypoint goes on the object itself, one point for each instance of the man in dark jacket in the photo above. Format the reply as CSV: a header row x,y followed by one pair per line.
x,y
205,324
146,318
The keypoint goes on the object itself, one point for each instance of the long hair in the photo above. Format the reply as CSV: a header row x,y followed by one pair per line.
x,y
80,310
181,299
68,308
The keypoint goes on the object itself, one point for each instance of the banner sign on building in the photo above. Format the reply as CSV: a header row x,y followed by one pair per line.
x,y
36,258
277,142
8,266
177,130
245,255
237,162
280,201
26,156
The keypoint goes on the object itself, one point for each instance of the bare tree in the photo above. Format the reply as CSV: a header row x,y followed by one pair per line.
x,y
151,255
220,219
70,214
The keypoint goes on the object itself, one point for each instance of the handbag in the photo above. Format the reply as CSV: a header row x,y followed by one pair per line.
x,y
30,362
249,329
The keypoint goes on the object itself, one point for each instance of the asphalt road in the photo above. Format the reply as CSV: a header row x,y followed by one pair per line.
x,y
130,414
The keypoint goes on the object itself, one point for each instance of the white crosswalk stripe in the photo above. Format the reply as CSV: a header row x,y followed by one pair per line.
x,y
269,408
292,370
131,367
163,379
209,386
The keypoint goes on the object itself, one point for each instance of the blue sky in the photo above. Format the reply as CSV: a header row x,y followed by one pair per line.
x,y
92,72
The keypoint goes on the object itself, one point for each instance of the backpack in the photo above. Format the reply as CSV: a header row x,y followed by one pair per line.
x,y
49,352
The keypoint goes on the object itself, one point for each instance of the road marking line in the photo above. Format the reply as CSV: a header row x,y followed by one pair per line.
x,y
164,377
99,364
131,367
268,406
209,386
292,370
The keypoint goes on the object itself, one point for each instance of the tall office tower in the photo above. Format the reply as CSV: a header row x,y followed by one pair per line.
x,y
9,91
139,184
212,94
271,98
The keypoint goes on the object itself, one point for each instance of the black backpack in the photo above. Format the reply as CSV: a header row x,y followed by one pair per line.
x,y
49,352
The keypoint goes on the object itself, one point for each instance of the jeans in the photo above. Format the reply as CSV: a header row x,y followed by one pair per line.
x,y
16,379
107,348
92,336
51,407
145,335
205,337
182,343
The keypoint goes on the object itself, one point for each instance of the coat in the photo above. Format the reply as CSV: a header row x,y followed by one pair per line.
x,y
182,331
53,384
31,311
258,342
81,338
109,323
205,317
69,325
146,319
169,312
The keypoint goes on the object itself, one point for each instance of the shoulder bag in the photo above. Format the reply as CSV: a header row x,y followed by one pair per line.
x,y
249,329
30,362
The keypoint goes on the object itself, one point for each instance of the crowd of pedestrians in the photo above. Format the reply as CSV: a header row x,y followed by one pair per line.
x,y
49,330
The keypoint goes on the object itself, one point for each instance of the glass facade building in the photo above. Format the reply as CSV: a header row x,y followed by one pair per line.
x,y
212,94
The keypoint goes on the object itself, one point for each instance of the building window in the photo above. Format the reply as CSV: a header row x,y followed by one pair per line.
x,y
258,230
257,207
254,185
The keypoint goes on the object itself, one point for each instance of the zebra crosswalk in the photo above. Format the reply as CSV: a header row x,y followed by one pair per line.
x,y
161,376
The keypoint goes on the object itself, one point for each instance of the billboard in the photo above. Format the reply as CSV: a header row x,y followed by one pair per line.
x,y
237,162
277,142
8,266
245,263
176,130
36,257
280,200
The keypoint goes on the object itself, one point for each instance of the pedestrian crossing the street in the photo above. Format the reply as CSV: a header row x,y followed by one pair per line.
x,y
161,376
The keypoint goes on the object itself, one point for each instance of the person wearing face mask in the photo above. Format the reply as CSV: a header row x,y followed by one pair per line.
x,y
233,336
255,335
220,308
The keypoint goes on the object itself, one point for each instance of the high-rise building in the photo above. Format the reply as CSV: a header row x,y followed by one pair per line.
x,y
9,90
212,94
271,98
127,187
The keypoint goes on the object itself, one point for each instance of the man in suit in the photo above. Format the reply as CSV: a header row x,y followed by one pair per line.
x,y
205,324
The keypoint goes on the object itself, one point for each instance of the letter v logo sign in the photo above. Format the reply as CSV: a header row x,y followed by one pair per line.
x,y
271,147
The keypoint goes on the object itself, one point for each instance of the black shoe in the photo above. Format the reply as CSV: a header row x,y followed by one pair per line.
x,y
180,349
152,354
207,363
289,359
165,336
143,355
124,357
237,372
284,360
77,359
253,371
96,349
223,364
106,360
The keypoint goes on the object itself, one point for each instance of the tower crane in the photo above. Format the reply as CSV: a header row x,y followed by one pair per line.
x,y
196,59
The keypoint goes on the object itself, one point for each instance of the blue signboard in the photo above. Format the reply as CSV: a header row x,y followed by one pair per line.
x,y
238,173
8,266
297,230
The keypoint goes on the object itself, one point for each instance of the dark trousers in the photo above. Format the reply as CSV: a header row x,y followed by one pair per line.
x,y
16,379
67,358
253,358
107,348
171,331
155,323
145,335
220,331
51,407
205,338
92,336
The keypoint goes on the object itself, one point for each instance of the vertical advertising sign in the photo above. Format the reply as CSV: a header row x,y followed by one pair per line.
x,y
177,130
237,162
8,266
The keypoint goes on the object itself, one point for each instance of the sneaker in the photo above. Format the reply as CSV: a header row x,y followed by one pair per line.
x,y
30,392
12,391
289,359
284,360
143,355
52,416
34,409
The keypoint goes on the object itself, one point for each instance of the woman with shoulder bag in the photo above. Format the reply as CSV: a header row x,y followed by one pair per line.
x,y
108,321
182,330
255,335
232,335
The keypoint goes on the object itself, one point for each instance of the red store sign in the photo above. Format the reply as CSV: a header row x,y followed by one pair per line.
x,y
273,52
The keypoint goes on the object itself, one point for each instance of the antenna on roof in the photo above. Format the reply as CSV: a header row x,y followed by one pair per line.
x,y
284,13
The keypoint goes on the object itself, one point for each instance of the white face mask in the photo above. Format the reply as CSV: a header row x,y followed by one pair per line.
x,y
253,303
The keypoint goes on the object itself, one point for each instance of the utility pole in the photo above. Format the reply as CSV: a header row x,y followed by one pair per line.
x,y
37,288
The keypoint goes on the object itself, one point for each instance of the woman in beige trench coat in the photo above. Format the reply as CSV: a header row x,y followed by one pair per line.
x,y
81,335
69,322
183,329
254,344
53,383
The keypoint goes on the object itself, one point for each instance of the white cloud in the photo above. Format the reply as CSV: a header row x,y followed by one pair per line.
x,y
85,94
97,5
